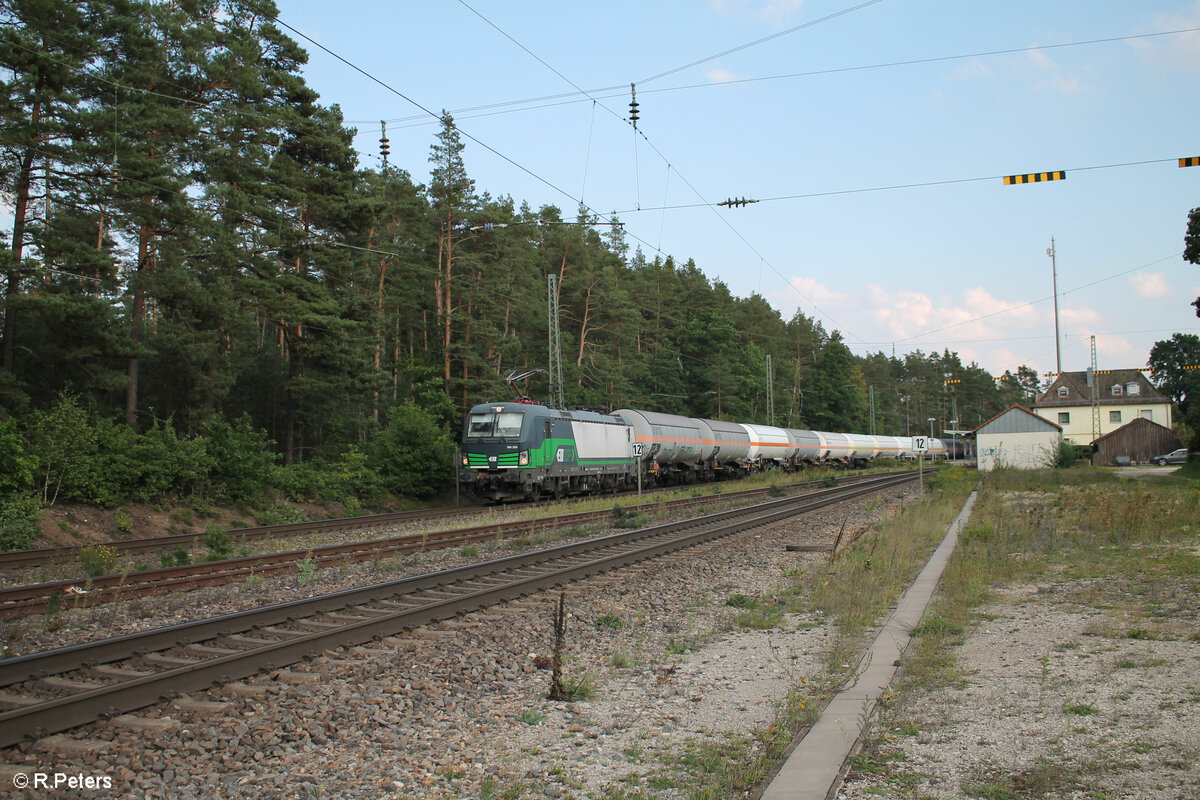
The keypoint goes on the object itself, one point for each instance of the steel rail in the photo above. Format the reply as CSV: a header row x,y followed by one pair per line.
x,y
23,559
582,560
35,598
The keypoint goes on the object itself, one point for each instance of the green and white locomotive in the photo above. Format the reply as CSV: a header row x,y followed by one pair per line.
x,y
522,450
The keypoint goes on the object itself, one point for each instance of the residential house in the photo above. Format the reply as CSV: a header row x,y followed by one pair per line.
x,y
1124,395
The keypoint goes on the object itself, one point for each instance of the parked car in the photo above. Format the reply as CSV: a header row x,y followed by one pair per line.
x,y
1179,456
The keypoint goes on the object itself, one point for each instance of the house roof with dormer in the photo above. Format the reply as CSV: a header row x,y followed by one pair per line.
x,y
1115,390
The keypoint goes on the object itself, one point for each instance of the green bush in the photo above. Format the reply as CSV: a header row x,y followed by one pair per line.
x,y
279,514
218,542
415,454
17,474
98,559
1064,457
179,557
350,480
123,520
19,522
241,458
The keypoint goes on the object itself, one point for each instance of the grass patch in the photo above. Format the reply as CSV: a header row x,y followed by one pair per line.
x,y
1080,709
531,717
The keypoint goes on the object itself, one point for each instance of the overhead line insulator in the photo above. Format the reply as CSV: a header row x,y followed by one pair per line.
x,y
633,105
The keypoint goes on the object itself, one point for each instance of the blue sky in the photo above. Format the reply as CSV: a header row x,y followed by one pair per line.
x,y
817,123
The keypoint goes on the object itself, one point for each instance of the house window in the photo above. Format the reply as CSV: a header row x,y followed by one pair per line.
x,y
1132,388
1116,390
1062,391
1114,416
1147,413
1064,418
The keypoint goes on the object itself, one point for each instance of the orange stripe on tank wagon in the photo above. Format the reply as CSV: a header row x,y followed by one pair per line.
x,y
674,441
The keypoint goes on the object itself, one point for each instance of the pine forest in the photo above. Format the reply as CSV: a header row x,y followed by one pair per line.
x,y
205,295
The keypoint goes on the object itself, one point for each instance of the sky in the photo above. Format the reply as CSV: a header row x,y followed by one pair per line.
x,y
874,134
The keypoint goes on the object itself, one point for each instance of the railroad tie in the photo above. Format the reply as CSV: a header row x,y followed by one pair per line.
x,y
149,724
186,703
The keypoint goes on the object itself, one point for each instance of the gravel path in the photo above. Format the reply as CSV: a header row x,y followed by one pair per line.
x,y
458,710
1056,700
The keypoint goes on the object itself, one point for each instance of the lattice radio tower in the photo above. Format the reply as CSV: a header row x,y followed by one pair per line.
x,y
556,376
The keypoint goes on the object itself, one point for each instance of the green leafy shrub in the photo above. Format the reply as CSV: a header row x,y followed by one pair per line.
x,y
19,522
414,454
218,542
242,462
124,520
98,559
1065,456
17,474
179,557
279,514
610,621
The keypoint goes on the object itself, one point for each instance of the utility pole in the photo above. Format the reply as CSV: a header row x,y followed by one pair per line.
x,y
1054,272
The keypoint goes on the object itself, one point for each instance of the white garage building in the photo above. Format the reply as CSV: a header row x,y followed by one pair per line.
x,y
1017,438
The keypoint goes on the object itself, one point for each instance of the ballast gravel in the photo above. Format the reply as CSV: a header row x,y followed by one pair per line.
x,y
460,710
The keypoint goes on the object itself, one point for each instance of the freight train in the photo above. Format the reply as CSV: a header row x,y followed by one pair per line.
x,y
526,450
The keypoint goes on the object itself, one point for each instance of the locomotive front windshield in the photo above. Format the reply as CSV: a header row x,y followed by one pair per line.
x,y
489,424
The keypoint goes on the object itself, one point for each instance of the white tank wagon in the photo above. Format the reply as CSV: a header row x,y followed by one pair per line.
x,y
731,445
897,447
768,443
668,441
837,446
863,448
810,449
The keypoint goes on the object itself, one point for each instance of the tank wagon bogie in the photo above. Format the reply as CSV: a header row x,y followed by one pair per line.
x,y
525,450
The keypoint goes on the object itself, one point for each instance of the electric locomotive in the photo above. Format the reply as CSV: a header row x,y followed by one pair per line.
x,y
513,451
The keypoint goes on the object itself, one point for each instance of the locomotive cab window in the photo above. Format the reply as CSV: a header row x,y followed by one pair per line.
x,y
489,425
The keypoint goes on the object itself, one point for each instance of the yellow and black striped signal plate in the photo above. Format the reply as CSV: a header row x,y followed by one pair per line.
x,y
1194,161
1035,177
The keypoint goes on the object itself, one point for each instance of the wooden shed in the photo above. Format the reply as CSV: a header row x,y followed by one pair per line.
x,y
1017,438
1138,441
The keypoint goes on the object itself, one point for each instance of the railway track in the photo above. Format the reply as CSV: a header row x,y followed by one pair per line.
x,y
38,597
64,688
26,559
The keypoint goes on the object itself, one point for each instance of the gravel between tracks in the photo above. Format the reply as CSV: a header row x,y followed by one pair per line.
x,y
441,712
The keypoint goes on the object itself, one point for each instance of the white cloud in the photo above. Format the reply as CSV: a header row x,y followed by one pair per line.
x,y
720,75
1055,81
780,12
776,13
1179,51
1150,284
815,292
972,69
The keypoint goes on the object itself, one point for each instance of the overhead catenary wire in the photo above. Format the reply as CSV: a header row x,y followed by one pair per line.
x,y
617,91
640,132
756,42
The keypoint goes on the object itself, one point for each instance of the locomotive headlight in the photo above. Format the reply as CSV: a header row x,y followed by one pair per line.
x,y
523,459
466,460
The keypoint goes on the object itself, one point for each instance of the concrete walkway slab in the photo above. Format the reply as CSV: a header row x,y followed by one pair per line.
x,y
815,768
